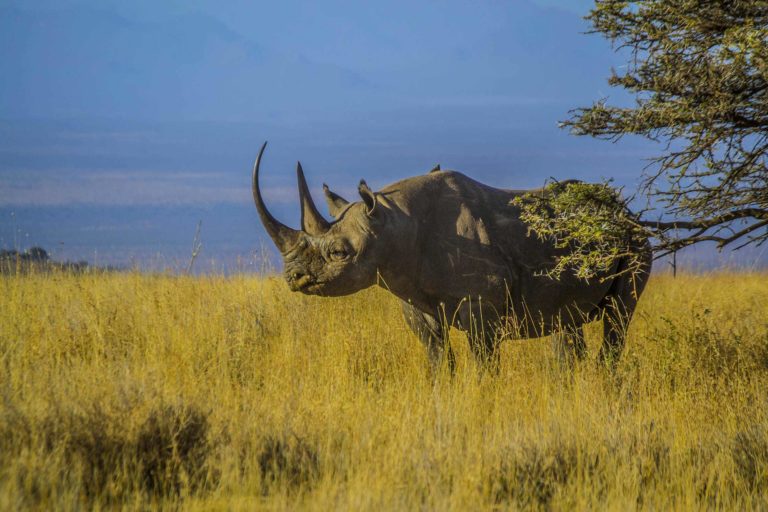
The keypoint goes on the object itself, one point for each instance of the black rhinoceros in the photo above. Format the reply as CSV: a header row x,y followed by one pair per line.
x,y
454,251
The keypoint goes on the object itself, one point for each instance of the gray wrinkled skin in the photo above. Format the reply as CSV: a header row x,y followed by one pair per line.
x,y
454,251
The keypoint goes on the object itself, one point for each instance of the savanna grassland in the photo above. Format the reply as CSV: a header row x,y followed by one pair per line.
x,y
123,390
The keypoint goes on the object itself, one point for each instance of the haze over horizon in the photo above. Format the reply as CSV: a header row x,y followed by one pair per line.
x,y
122,125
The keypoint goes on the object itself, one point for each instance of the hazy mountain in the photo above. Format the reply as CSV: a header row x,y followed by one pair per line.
x,y
87,62
124,123
290,58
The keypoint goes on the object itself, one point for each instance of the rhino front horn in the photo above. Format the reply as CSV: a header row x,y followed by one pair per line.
x,y
311,220
283,236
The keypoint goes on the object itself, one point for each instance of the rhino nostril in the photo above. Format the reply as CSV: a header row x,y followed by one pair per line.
x,y
296,275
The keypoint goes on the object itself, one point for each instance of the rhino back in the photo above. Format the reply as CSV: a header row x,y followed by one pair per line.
x,y
472,242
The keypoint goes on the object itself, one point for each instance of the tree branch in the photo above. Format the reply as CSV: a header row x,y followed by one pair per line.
x,y
755,213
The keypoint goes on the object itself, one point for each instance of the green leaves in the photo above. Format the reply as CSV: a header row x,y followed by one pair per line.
x,y
699,72
591,223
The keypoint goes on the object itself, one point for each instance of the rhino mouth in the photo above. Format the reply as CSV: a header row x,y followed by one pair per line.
x,y
309,287
305,284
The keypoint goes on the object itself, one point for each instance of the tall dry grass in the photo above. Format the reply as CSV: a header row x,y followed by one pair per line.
x,y
138,391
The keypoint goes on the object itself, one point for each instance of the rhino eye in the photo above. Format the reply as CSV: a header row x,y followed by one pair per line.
x,y
339,253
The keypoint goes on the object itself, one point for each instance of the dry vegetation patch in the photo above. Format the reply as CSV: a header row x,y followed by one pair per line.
x,y
138,391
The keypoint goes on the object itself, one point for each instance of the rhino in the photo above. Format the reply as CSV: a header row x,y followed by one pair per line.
x,y
455,252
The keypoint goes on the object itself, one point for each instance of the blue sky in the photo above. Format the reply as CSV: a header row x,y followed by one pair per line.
x,y
124,123
292,60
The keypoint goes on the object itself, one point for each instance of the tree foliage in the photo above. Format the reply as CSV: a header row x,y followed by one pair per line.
x,y
590,222
698,71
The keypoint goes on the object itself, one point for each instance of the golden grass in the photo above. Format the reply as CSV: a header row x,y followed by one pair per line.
x,y
138,391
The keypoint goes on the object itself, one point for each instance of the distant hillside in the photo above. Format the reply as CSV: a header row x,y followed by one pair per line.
x,y
37,259
92,60
83,62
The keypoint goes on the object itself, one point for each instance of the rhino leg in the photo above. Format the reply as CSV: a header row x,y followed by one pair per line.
x,y
569,346
617,315
484,346
618,308
481,325
432,334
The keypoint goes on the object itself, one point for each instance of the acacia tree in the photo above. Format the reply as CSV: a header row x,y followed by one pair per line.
x,y
698,70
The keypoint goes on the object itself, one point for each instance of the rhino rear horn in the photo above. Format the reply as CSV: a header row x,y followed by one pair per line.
x,y
283,236
336,203
311,220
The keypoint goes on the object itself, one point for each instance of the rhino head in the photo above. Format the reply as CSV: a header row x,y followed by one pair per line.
x,y
324,258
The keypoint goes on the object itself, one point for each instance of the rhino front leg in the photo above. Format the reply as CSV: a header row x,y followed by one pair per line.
x,y
432,334
569,345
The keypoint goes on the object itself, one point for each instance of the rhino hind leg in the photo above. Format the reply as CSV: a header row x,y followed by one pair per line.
x,y
483,342
482,327
569,345
432,334
618,308
484,345
616,319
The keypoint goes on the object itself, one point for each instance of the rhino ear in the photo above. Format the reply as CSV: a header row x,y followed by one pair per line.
x,y
435,169
369,198
336,203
